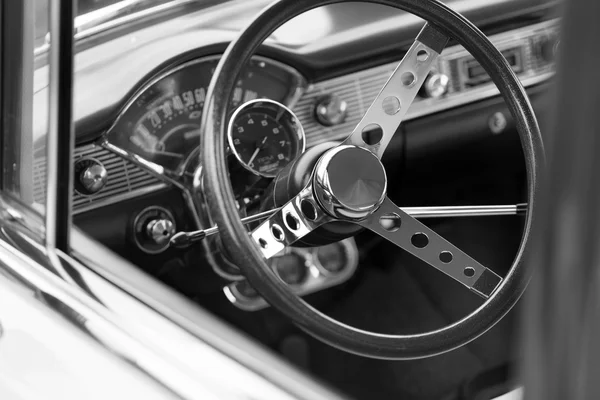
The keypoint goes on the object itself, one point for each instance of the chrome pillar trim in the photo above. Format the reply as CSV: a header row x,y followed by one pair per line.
x,y
350,182
382,119
393,224
60,138
294,220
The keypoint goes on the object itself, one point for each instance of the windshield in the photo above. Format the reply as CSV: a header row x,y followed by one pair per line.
x,y
90,13
83,7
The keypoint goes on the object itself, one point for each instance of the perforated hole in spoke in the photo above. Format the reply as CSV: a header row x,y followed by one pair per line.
x,y
446,257
422,55
391,222
292,222
408,79
372,134
308,209
391,105
469,271
419,240
263,243
277,233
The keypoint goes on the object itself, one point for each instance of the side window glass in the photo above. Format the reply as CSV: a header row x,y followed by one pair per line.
x,y
24,123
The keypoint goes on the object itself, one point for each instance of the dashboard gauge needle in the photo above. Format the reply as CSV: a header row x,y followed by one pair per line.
x,y
254,155
258,149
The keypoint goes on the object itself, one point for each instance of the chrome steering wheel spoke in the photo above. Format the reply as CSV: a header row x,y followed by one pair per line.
x,y
384,116
296,219
395,225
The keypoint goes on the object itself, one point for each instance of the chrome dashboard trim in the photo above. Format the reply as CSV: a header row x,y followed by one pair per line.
x,y
360,88
121,197
160,173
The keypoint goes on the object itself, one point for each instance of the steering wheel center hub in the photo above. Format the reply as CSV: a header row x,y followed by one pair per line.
x,y
350,182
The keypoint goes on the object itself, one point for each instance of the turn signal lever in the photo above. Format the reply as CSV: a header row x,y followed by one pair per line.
x,y
183,240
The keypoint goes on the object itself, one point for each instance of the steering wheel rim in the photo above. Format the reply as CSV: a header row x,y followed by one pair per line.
x,y
249,257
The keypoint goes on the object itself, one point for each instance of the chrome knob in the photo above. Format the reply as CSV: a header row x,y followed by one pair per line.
x,y
331,110
91,176
160,230
350,182
436,85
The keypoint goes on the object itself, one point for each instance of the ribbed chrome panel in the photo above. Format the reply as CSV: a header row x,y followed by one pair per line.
x,y
125,180
360,89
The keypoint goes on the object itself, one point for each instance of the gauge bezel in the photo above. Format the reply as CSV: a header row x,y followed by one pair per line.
x,y
258,103
294,94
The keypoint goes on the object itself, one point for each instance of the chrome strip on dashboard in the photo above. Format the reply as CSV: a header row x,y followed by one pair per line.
x,y
121,197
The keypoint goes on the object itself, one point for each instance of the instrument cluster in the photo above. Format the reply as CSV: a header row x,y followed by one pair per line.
x,y
161,124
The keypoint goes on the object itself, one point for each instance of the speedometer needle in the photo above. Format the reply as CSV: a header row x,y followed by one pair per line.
x,y
258,149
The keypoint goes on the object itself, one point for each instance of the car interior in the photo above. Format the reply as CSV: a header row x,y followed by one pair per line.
x,y
210,137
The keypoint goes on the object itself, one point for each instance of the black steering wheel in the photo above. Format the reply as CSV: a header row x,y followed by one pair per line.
x,y
348,183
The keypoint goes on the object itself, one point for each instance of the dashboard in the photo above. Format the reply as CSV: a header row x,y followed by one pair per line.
x,y
139,99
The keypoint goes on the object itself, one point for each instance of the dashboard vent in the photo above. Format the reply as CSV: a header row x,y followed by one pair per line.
x,y
125,179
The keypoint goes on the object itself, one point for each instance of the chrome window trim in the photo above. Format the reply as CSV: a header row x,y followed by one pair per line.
x,y
99,21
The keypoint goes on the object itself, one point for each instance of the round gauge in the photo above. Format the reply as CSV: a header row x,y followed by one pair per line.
x,y
265,136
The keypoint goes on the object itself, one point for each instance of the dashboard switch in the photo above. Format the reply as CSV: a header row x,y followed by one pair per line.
x,y
160,230
435,86
331,110
153,228
91,176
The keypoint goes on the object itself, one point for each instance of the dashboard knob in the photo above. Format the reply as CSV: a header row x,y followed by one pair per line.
x,y
435,86
548,49
331,110
160,230
91,176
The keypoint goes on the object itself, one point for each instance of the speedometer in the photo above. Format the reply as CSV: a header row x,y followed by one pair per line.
x,y
161,124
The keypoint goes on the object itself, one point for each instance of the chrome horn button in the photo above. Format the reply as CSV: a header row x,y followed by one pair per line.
x,y
350,182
